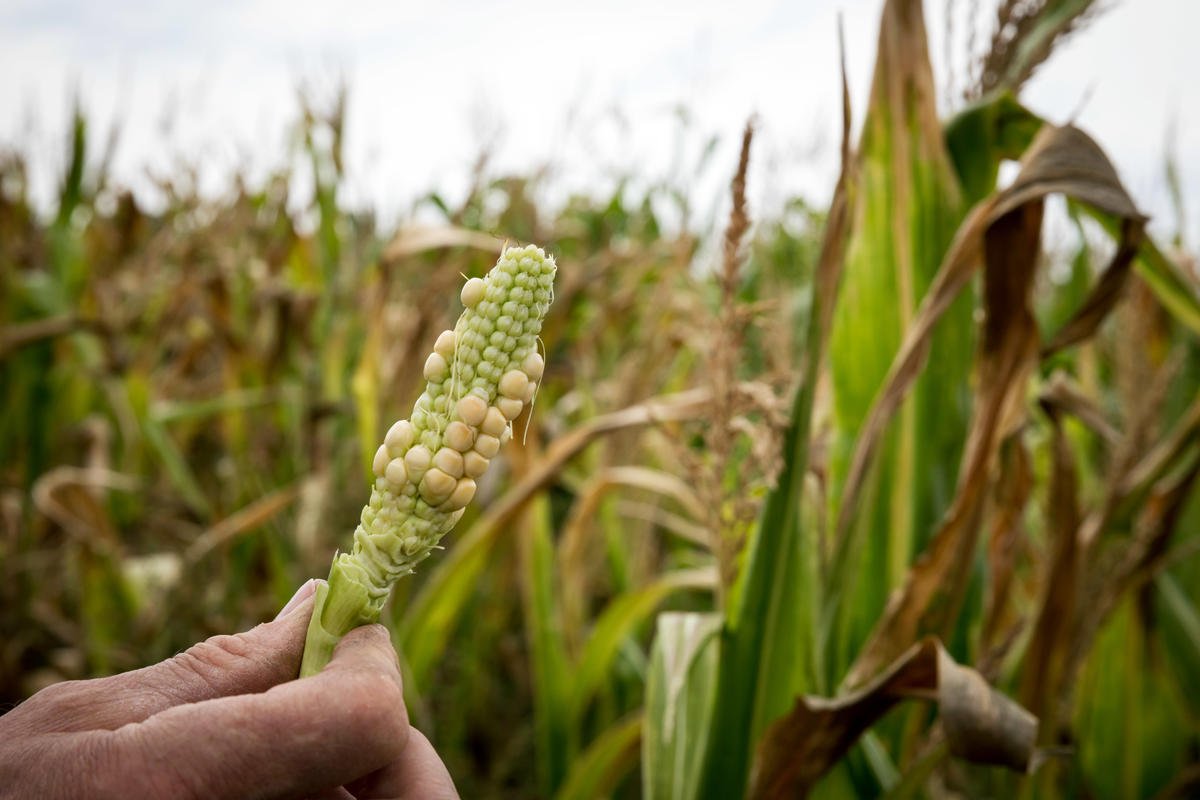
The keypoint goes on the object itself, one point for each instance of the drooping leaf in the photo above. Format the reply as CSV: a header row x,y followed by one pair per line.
x,y
1174,289
981,724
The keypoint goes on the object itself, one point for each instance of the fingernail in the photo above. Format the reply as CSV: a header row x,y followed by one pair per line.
x,y
302,594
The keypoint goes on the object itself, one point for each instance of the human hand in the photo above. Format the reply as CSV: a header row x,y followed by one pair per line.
x,y
225,719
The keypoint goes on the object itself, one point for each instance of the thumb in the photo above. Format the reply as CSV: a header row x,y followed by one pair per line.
x,y
243,663
306,590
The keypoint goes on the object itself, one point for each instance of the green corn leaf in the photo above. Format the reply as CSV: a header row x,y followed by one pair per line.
x,y
1180,622
909,205
1132,737
983,135
763,646
679,703
554,739
605,762
176,465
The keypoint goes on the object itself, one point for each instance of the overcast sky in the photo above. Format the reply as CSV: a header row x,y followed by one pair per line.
x,y
432,83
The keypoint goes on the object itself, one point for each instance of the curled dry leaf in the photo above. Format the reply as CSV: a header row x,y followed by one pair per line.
x,y
980,724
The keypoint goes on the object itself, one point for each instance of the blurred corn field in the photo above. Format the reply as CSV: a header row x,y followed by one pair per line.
x,y
884,499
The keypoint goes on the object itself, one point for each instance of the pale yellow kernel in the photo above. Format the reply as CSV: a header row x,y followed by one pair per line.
x,y
533,366
436,486
459,436
513,383
435,366
505,435
462,494
472,292
444,346
530,391
457,515
474,464
396,473
399,437
494,423
509,407
417,459
487,446
381,461
472,409
449,461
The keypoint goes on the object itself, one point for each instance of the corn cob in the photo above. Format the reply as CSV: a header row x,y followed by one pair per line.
x,y
479,378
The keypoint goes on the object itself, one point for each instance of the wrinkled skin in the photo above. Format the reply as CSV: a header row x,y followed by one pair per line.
x,y
225,719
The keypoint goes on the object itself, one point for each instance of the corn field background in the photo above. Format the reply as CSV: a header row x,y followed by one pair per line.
x,y
890,498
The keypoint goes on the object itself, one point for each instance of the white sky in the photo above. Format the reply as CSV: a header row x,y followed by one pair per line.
x,y
588,89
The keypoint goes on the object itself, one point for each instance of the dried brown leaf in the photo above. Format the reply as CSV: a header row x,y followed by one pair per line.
x,y
1063,394
1105,294
244,520
1044,659
1010,496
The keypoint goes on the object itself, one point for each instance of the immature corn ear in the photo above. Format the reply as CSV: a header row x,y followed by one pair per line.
x,y
479,378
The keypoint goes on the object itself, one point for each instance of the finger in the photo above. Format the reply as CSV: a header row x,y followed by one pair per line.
x,y
253,661
291,741
336,793
418,774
